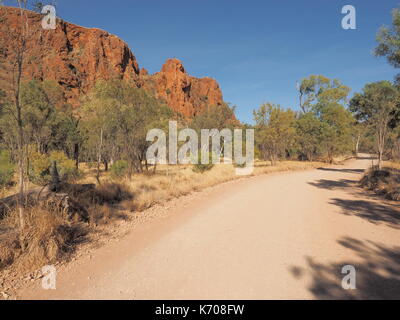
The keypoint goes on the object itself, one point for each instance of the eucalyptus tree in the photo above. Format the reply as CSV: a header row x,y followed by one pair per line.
x,y
377,106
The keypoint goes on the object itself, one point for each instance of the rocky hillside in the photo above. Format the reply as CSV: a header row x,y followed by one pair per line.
x,y
77,57
184,93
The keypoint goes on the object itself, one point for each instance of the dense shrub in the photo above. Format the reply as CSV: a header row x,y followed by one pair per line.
x,y
91,164
39,171
201,168
385,182
48,236
119,168
6,169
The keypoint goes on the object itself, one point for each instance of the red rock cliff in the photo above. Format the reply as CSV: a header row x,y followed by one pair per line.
x,y
74,56
183,93
77,57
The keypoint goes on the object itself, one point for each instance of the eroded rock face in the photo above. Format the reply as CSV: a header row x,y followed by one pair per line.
x,y
77,57
183,93
71,55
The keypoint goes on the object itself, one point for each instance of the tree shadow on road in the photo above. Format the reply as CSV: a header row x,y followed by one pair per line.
x,y
371,211
333,184
377,273
367,158
369,207
342,170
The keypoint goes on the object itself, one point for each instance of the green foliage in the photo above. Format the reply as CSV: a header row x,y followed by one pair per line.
x,y
40,164
39,170
377,101
275,132
377,106
389,41
309,135
91,164
41,104
200,167
119,168
6,169
215,117
336,132
117,117
318,90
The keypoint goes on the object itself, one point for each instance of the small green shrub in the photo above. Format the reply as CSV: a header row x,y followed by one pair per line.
x,y
119,168
201,168
384,182
238,165
6,169
91,165
39,171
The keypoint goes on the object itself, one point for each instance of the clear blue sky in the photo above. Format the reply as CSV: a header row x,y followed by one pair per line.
x,y
256,50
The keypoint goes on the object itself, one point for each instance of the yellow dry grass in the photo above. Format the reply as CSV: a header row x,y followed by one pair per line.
x,y
49,236
46,238
174,181
392,164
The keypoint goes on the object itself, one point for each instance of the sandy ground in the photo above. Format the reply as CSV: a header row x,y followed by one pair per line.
x,y
279,236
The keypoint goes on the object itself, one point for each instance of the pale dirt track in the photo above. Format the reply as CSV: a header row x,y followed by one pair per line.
x,y
279,236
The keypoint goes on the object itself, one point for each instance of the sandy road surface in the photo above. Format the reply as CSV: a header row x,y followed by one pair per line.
x,y
280,236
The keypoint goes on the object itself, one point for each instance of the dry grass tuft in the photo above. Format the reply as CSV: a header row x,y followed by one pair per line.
x,y
175,181
385,182
107,193
47,238
101,202
104,214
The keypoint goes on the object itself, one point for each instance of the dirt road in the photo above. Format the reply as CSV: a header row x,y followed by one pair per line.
x,y
280,236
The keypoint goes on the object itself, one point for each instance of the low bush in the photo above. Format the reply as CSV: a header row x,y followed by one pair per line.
x,y
119,169
47,238
6,169
112,193
201,168
91,195
385,182
103,214
39,171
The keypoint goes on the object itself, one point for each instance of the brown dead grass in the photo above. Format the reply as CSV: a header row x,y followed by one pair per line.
x,y
47,238
385,182
50,235
170,183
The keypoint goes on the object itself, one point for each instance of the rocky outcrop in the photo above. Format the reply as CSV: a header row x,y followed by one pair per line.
x,y
77,57
183,93
71,55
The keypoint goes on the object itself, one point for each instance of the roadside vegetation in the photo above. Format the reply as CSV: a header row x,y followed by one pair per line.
x,y
384,181
64,171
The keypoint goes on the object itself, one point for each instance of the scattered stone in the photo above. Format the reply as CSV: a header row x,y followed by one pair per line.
x,y
5,295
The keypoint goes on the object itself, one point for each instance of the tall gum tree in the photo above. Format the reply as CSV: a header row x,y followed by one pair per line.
x,y
376,106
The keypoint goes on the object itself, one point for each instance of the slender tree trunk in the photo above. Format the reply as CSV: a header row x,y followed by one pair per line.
x,y
99,156
358,143
301,103
21,170
381,144
155,163
76,155
21,152
155,167
380,160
